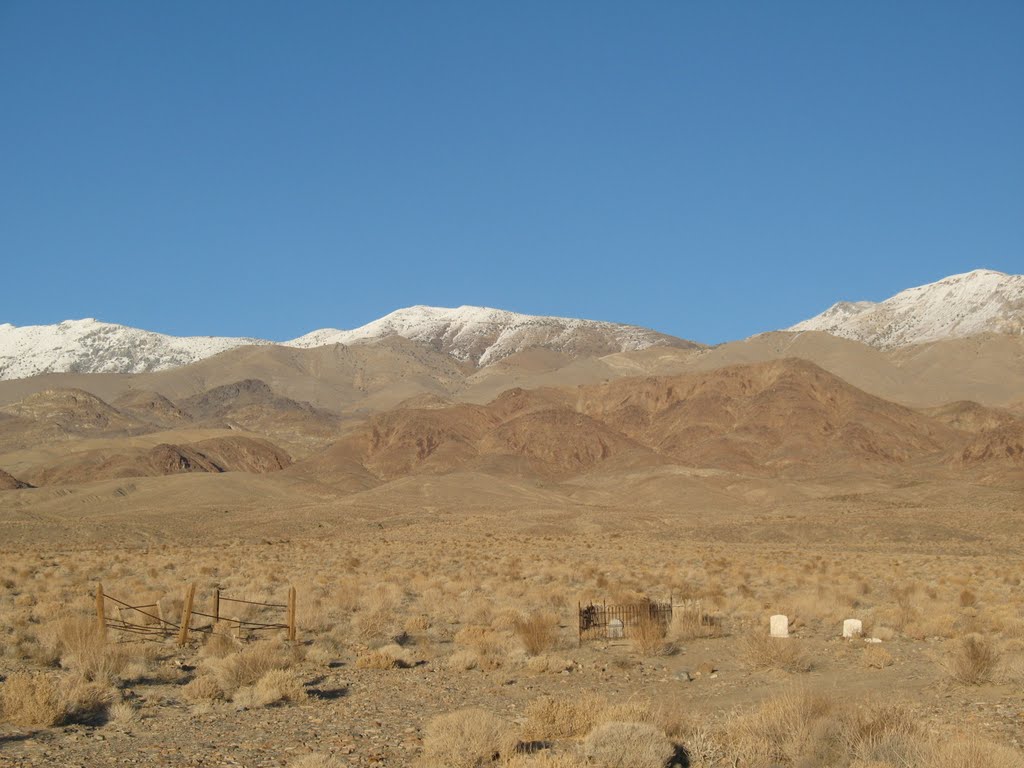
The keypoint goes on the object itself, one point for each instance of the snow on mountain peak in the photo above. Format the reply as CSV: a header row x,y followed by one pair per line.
x,y
91,346
483,335
980,301
478,335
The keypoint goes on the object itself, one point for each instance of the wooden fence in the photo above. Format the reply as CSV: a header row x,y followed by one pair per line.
x,y
133,618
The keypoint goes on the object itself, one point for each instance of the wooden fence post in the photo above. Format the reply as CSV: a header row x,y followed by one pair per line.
x,y
216,605
101,613
186,614
291,613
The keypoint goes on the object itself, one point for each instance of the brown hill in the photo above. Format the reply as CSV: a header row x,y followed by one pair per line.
x,y
785,415
151,407
969,416
988,368
763,416
9,483
1004,445
226,454
253,406
62,414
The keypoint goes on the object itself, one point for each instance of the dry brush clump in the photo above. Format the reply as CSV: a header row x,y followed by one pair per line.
x,y
559,717
975,661
43,700
762,651
274,687
621,744
648,637
256,675
467,738
537,632
391,656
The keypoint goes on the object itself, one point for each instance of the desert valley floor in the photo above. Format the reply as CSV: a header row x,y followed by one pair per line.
x,y
442,524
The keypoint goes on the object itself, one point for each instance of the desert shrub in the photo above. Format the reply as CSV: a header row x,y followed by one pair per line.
x,y
546,759
968,599
552,717
83,649
761,651
31,701
546,663
203,688
275,687
876,657
975,660
467,738
637,745
391,656
879,734
972,752
219,643
315,761
86,702
537,632
792,728
648,637
248,665
463,660
124,713
491,647
688,623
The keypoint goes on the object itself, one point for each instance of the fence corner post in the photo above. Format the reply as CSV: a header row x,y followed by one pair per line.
x,y
186,615
101,613
291,613
216,605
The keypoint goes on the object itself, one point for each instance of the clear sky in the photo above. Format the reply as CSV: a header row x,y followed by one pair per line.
x,y
709,169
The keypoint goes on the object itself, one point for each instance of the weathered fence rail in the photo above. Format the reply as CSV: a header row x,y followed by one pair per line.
x,y
128,619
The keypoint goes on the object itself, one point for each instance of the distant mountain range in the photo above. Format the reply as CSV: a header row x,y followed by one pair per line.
x,y
982,301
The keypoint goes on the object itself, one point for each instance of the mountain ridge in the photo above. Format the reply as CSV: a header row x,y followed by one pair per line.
x,y
958,306
475,335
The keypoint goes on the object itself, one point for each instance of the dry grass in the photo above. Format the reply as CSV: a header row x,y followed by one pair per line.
x,y
762,651
85,651
648,638
971,751
275,687
556,717
468,738
465,617
392,656
636,745
315,761
537,632
876,657
248,665
32,700
975,660
547,759
689,622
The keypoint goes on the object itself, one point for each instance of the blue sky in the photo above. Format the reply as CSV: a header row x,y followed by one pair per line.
x,y
708,169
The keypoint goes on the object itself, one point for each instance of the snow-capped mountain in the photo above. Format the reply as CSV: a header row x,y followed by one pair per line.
x,y
474,334
982,301
483,336
90,346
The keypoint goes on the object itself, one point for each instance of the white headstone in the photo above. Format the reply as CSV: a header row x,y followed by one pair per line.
x,y
852,628
780,625
615,629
